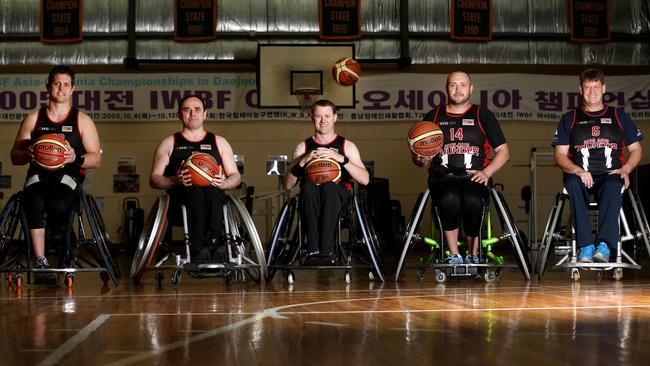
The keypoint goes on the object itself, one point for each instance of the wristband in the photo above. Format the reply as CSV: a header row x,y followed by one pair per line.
x,y
297,171
345,161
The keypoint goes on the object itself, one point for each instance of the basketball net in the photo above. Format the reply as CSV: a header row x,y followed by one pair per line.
x,y
306,97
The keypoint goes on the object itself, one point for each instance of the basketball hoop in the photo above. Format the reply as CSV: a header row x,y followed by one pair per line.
x,y
306,97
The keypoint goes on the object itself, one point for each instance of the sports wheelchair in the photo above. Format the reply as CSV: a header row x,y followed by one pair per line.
x,y
287,252
491,265
83,245
560,240
245,255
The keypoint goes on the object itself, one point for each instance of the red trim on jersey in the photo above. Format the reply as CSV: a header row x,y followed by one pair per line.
x,y
64,118
216,145
435,117
325,144
623,144
486,143
458,114
594,114
81,134
575,113
478,119
194,141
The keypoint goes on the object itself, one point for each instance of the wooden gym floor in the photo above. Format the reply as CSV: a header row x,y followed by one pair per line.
x,y
322,321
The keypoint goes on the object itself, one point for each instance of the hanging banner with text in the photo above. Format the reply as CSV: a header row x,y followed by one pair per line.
x,y
387,97
340,19
195,20
61,21
471,20
589,20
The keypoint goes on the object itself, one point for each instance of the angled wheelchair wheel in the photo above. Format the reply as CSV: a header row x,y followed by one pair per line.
x,y
14,236
280,247
509,226
100,241
241,229
410,233
641,228
151,235
369,237
548,238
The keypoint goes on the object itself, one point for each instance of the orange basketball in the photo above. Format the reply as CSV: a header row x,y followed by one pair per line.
x,y
49,150
346,71
202,168
323,170
425,139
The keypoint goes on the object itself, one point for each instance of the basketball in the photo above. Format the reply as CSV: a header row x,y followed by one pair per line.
x,y
346,71
425,139
49,150
202,168
323,170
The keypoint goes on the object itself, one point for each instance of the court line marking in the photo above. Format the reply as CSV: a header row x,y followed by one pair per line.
x,y
278,313
69,345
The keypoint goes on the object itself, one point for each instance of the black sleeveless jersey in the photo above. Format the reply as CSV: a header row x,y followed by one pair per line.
x,y
597,140
338,145
468,137
184,148
69,129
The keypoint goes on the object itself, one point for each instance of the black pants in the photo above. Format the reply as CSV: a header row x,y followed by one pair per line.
x,y
320,206
204,213
51,198
458,198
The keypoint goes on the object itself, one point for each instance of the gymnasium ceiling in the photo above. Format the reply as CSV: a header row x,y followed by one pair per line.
x,y
526,32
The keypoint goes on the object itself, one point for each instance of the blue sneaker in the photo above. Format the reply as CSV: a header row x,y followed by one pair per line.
x,y
471,259
586,254
454,259
602,253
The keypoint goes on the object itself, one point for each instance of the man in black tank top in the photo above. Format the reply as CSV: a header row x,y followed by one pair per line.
x,y
204,204
460,174
54,193
589,148
320,205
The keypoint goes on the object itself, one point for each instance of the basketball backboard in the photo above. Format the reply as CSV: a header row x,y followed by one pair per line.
x,y
283,69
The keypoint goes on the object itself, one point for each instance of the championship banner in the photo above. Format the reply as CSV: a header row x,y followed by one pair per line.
x,y
340,19
232,97
589,20
195,20
471,20
61,21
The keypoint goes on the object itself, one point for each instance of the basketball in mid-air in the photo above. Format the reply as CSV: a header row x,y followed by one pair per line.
x,y
425,139
202,168
323,170
346,71
49,150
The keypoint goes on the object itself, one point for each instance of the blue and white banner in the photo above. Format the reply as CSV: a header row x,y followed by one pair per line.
x,y
386,97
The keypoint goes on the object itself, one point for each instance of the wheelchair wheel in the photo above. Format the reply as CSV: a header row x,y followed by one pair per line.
x,y
369,238
150,237
241,229
100,239
14,237
280,246
509,226
641,221
410,233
